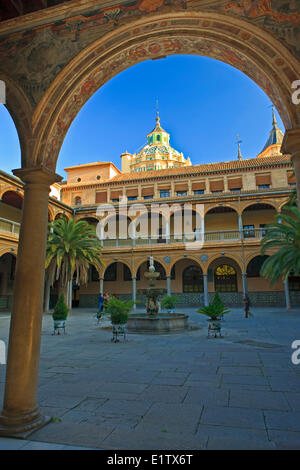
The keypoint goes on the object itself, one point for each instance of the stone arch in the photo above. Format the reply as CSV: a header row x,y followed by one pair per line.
x,y
221,219
20,110
8,250
267,203
282,205
188,257
225,258
13,189
51,216
60,215
117,261
209,208
155,259
220,36
12,197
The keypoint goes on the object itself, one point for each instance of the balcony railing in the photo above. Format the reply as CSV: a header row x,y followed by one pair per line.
x,y
9,226
226,235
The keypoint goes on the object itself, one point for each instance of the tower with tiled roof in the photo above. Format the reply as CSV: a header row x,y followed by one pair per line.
x,y
273,144
157,154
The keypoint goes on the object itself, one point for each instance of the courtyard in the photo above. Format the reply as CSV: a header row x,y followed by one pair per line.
x,y
172,391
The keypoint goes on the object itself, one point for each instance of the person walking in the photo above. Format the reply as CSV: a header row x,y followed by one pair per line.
x,y
246,301
100,306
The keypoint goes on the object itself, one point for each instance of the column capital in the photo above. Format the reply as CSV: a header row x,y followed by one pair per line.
x,y
37,175
291,142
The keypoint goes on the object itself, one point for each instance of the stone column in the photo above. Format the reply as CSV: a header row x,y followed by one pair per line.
x,y
244,279
291,145
134,292
205,286
20,410
70,294
287,294
169,285
240,222
101,285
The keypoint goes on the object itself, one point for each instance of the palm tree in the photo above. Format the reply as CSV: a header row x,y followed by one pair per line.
x,y
72,247
284,237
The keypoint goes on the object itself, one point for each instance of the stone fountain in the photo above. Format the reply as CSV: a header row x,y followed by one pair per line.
x,y
152,321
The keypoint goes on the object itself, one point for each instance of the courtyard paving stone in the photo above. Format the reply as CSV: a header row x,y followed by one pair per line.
x,y
171,391
258,399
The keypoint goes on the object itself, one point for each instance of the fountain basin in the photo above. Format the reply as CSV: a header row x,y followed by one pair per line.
x,y
156,324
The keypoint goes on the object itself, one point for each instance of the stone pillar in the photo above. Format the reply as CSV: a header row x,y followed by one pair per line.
x,y
134,292
20,412
205,286
167,231
244,279
291,145
240,222
70,294
287,294
101,285
169,285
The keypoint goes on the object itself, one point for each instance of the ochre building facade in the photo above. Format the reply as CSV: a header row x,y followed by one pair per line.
x,y
203,224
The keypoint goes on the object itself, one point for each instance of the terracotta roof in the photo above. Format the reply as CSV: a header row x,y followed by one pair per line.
x,y
251,163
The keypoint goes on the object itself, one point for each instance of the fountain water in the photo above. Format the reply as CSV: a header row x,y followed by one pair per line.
x,y
153,321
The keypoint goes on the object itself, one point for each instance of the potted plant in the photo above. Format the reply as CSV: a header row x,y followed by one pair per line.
x,y
118,310
215,311
60,315
169,302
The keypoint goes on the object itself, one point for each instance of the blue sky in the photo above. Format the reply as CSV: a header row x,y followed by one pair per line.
x,y
203,104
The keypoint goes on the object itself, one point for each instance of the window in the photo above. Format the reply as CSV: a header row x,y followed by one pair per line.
x,y
77,201
292,185
158,138
192,279
132,198
235,189
263,232
249,231
148,197
115,200
181,193
263,186
98,177
78,180
217,191
164,193
198,191
225,278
